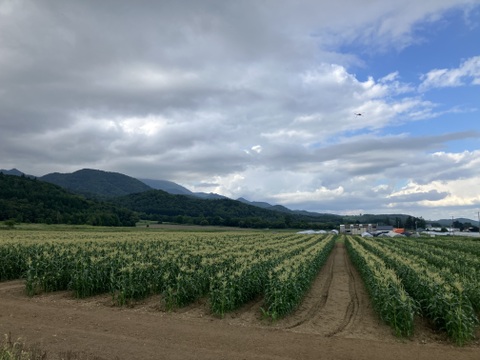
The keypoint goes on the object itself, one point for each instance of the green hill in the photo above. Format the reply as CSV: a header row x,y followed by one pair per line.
x,y
167,186
25,199
50,199
160,206
97,183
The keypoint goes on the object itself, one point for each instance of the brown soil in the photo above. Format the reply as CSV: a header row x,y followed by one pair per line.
x,y
335,321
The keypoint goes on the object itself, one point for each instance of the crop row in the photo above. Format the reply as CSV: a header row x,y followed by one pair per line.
x,y
440,294
231,269
455,265
291,278
388,295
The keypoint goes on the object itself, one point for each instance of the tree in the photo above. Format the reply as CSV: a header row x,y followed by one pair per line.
x,y
421,223
457,224
179,219
413,223
10,224
398,222
409,223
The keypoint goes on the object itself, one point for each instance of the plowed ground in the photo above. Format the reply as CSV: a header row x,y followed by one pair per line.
x,y
335,321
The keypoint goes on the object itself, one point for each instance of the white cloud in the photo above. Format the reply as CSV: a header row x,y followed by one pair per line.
x,y
320,194
441,194
467,73
253,99
257,148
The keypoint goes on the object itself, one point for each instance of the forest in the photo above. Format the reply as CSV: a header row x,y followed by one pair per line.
x,y
28,200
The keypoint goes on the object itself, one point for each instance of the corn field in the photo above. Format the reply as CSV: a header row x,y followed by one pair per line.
x,y
440,278
389,297
230,269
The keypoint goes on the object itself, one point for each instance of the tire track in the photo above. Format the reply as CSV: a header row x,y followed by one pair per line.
x,y
353,306
337,307
10,285
319,299
13,289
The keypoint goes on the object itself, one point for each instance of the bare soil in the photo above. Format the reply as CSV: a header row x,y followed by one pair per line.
x,y
335,321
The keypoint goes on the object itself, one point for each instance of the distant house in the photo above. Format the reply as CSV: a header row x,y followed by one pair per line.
x,y
357,229
361,229
384,228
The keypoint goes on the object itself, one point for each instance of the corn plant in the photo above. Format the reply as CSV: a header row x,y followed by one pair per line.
x,y
456,266
442,301
388,295
289,281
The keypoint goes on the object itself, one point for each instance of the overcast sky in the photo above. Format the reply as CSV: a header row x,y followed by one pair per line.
x,y
252,98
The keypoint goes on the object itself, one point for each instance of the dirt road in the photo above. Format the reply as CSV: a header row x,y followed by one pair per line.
x,y
335,321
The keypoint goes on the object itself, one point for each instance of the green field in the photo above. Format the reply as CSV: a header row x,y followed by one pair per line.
x,y
230,268
438,279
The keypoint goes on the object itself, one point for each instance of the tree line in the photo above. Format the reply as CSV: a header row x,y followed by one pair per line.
x,y
28,200
158,205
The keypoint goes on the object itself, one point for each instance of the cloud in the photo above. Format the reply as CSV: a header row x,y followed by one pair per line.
x,y
253,99
468,73
432,195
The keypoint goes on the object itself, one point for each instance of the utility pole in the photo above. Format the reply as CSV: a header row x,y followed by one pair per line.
x,y
478,213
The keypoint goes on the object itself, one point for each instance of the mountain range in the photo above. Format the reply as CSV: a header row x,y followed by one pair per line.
x,y
29,200
123,189
103,185
102,198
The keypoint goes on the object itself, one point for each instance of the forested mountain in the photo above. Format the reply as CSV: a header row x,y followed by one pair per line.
x,y
25,199
309,216
449,222
161,206
14,172
97,183
175,189
263,205
167,186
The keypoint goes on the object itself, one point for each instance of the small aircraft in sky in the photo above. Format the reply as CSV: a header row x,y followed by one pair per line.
x,y
358,114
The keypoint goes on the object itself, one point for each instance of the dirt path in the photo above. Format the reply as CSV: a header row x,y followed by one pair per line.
x,y
335,321
332,307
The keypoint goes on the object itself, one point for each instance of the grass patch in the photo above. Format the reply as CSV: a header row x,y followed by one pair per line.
x,y
143,226
17,350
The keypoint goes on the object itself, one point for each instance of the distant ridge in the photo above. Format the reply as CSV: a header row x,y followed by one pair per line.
x,y
97,183
448,222
175,189
25,199
167,186
15,172
162,206
265,205
283,209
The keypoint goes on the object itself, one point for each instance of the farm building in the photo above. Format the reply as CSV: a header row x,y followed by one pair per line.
x,y
357,229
